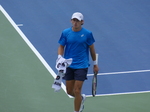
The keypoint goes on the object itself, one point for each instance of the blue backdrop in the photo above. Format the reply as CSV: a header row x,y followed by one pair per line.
x,y
120,27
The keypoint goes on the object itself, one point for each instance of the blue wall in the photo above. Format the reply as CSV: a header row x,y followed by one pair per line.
x,y
121,28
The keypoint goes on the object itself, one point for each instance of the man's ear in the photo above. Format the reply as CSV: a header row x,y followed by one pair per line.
x,y
82,22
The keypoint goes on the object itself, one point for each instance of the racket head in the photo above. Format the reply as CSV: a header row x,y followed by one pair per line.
x,y
94,84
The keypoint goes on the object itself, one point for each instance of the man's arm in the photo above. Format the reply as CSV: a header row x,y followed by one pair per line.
x,y
92,51
93,55
61,50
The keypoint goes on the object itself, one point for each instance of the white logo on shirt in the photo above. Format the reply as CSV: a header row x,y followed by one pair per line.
x,y
82,35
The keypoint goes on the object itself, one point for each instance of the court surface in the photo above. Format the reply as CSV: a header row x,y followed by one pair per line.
x,y
27,65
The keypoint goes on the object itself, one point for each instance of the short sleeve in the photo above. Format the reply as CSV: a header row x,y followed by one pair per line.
x,y
62,40
90,39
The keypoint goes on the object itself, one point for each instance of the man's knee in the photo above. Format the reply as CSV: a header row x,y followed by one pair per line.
x,y
70,92
77,91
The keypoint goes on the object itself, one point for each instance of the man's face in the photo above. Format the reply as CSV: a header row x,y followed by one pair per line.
x,y
76,23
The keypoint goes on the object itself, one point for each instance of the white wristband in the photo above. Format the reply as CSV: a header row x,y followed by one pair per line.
x,y
59,56
95,62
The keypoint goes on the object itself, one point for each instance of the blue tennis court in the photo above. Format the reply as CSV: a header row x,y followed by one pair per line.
x,y
121,31
120,28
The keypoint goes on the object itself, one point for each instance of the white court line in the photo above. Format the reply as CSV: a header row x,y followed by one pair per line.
x,y
19,24
125,72
125,93
30,45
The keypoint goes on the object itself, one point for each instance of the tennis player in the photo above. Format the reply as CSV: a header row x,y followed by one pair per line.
x,y
76,42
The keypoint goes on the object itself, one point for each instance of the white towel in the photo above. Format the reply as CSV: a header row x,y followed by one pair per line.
x,y
57,82
61,65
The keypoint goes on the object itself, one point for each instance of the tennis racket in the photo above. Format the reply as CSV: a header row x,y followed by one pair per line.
x,y
94,80
94,84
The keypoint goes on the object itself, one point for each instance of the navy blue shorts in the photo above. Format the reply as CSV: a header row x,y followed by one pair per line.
x,y
76,74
